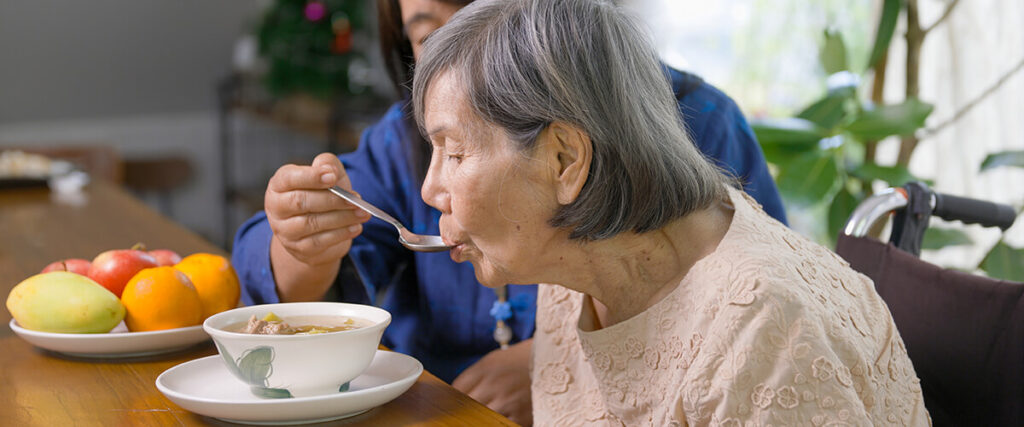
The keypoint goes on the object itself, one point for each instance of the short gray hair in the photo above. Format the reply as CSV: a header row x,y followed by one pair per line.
x,y
528,63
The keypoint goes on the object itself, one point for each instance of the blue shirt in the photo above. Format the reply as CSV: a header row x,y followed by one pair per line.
x,y
440,313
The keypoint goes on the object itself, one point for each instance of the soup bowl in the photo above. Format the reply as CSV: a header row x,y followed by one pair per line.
x,y
282,366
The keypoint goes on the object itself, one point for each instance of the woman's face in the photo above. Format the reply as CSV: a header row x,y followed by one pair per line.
x,y
422,17
495,199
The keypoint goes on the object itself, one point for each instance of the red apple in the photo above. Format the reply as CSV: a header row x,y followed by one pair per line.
x,y
113,269
73,265
165,257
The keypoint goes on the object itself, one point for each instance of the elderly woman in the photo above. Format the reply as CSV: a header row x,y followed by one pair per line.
x,y
559,158
309,245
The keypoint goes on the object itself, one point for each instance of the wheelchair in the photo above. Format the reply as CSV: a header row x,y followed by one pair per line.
x,y
964,333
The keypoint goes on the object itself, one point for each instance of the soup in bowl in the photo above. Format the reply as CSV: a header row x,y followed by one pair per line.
x,y
298,349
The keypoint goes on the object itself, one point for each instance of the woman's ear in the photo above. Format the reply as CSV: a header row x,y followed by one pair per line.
x,y
574,152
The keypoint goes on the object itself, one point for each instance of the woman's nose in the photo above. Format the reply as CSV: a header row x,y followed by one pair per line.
x,y
433,192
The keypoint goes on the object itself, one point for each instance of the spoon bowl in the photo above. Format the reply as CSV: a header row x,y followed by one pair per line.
x,y
413,241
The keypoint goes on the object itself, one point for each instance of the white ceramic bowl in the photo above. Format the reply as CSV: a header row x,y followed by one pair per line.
x,y
276,366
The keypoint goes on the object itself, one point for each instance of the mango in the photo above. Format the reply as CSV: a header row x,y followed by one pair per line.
x,y
64,302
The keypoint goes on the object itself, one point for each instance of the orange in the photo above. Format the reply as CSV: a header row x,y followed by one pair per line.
x,y
161,298
214,278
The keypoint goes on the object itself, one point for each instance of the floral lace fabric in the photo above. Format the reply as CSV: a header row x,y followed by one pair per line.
x,y
770,329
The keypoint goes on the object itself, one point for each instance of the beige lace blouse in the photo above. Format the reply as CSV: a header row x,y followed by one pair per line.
x,y
770,329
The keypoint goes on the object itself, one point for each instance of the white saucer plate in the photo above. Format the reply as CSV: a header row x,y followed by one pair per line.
x,y
116,343
205,386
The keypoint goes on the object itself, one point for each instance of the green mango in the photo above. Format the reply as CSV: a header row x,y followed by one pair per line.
x,y
64,302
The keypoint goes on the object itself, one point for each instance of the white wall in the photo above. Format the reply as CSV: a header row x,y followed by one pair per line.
x,y
137,75
66,59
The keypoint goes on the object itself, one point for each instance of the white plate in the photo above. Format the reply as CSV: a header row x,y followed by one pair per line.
x,y
116,343
205,386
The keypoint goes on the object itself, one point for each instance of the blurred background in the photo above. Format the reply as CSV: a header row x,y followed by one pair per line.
x,y
201,101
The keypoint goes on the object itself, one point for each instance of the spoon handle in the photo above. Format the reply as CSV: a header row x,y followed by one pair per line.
x,y
366,206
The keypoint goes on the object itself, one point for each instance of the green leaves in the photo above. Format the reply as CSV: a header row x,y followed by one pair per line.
x,y
886,28
809,178
833,53
1004,158
887,120
893,175
1004,262
787,131
938,238
839,212
829,112
787,138
820,153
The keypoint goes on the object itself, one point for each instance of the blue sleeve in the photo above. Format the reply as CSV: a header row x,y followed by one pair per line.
x,y
251,259
379,171
380,178
721,132
739,153
759,182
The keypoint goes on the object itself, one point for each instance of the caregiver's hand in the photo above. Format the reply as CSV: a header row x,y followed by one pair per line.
x,y
501,380
313,228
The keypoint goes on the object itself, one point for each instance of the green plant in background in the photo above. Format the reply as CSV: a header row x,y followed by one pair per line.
x,y
822,154
1004,261
825,154
308,46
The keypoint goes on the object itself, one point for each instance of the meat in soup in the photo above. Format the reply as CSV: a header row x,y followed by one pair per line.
x,y
271,324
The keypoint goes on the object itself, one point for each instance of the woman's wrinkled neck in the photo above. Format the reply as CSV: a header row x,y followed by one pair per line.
x,y
627,274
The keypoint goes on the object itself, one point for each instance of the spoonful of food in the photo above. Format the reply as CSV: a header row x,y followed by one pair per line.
x,y
416,242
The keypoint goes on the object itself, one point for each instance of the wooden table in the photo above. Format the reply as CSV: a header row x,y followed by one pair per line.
x,y
42,388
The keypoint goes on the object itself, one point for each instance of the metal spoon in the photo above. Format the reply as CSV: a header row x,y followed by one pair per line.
x,y
416,242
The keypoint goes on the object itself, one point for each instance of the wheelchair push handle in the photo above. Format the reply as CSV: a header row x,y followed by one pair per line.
x,y
973,211
945,206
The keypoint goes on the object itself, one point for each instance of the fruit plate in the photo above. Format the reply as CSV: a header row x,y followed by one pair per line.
x,y
116,343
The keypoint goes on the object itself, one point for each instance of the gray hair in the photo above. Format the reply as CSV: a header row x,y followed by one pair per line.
x,y
527,63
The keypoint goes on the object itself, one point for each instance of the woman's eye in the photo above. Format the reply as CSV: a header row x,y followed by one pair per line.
x,y
421,40
455,158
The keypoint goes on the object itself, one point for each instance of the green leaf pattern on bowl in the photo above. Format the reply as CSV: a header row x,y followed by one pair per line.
x,y
255,367
270,393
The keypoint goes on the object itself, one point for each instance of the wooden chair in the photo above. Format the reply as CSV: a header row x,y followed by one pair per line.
x,y
159,176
